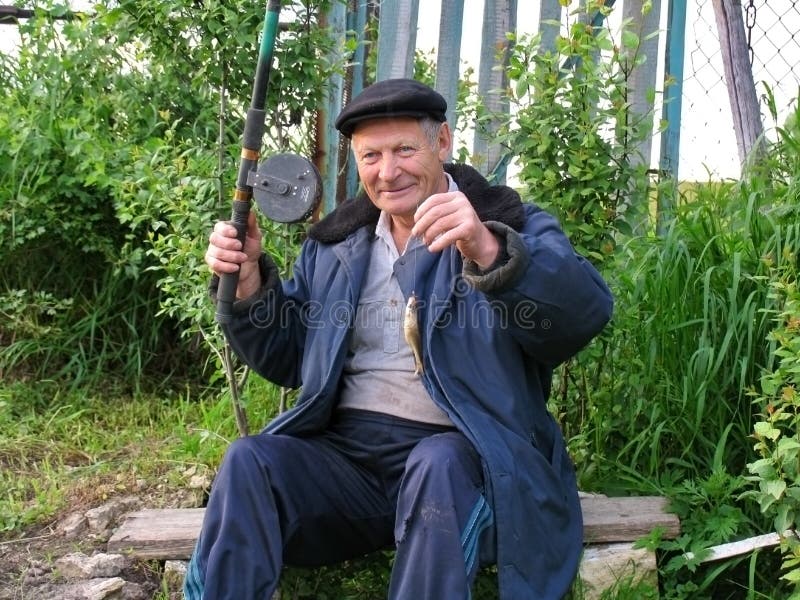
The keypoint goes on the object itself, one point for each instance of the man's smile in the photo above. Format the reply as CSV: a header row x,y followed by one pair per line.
x,y
397,190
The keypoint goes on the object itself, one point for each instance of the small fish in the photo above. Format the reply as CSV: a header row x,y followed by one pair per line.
x,y
411,332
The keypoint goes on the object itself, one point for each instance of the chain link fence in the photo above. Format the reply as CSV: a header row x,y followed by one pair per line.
x,y
708,145
708,148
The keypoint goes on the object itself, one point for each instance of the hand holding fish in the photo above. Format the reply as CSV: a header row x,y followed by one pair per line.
x,y
448,218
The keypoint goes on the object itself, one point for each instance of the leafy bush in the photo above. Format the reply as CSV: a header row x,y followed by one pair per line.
x,y
60,239
688,338
116,157
575,135
776,470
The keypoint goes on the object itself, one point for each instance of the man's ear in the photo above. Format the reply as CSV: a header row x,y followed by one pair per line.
x,y
444,141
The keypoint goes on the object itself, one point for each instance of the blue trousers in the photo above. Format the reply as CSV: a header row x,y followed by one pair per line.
x,y
369,481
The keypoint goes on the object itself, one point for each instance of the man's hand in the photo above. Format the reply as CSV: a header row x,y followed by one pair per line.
x,y
447,219
225,254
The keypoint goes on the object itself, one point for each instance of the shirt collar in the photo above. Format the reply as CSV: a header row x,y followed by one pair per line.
x,y
452,186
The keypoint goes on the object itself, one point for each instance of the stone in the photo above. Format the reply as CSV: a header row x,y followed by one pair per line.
x,y
91,589
134,591
71,566
102,518
191,498
175,573
73,526
200,482
605,566
79,566
103,589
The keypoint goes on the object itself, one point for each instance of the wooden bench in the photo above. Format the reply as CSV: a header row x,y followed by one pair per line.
x,y
610,528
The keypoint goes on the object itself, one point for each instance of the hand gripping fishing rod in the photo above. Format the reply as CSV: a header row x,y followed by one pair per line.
x,y
287,198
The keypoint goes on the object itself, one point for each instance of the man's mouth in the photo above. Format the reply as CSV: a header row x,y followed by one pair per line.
x,y
396,190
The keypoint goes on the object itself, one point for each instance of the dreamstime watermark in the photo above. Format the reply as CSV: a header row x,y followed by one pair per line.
x,y
463,308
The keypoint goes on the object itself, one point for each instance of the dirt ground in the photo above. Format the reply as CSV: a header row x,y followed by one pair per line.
x,y
27,571
28,559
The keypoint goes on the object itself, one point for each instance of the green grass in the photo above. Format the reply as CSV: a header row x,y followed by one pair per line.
x,y
66,450
65,447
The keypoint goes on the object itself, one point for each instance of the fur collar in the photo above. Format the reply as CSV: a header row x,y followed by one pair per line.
x,y
492,203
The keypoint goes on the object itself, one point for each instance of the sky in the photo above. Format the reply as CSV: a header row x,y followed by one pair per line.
x,y
708,143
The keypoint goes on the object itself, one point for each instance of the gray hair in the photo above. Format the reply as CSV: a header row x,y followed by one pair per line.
x,y
431,128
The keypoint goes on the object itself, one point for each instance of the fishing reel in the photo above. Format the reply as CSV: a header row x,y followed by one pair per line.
x,y
286,187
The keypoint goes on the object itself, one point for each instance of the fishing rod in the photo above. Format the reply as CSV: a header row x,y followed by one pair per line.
x,y
286,187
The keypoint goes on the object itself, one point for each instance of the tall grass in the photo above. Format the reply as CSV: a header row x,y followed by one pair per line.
x,y
662,402
697,301
84,335
665,391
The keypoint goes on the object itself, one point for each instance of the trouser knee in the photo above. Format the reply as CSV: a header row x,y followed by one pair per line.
x,y
441,516
446,455
442,481
253,465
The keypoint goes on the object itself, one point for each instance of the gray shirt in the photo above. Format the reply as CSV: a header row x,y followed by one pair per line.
x,y
379,369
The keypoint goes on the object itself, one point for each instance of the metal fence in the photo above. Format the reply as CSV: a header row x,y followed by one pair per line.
x,y
708,145
708,148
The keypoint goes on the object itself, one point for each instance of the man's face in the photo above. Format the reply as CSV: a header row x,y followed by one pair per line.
x,y
397,165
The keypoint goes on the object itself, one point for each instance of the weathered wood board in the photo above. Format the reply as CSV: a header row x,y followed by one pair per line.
x,y
171,533
626,519
165,533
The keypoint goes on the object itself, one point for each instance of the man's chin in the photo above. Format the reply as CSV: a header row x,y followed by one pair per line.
x,y
401,209
399,204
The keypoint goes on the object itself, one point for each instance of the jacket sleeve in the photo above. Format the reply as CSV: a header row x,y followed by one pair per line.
x,y
267,330
554,299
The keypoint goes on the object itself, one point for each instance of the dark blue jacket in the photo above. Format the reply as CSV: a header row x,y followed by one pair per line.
x,y
490,342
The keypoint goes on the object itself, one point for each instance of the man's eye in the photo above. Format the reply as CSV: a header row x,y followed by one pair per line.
x,y
406,150
369,157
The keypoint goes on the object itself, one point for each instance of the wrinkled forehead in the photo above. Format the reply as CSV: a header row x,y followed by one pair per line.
x,y
387,131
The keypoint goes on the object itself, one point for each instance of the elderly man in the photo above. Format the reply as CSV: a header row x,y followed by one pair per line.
x,y
456,463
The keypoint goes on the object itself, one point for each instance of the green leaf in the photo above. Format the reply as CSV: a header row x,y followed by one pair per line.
x,y
766,430
787,447
792,576
774,487
630,40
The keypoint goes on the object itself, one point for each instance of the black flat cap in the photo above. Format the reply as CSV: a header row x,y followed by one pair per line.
x,y
392,98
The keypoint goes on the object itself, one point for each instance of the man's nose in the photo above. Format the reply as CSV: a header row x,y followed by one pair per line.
x,y
389,168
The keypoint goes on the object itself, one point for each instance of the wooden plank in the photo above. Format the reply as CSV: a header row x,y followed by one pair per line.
x,y
626,519
740,547
158,533
171,533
